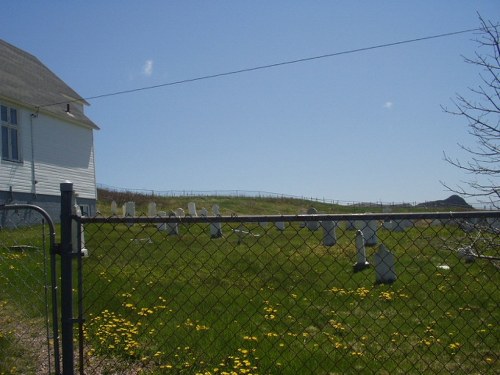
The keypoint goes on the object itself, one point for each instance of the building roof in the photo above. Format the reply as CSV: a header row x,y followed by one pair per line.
x,y
25,80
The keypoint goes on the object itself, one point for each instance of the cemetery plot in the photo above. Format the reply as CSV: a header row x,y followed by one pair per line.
x,y
286,299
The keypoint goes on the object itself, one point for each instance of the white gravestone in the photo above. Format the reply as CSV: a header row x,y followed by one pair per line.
x,y
192,209
385,269
129,211
362,263
114,208
74,232
329,235
151,209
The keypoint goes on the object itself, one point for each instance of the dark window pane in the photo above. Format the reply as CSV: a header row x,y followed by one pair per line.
x,y
5,142
13,140
4,113
13,116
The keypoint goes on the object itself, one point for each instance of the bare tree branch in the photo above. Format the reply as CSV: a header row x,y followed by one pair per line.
x,y
482,114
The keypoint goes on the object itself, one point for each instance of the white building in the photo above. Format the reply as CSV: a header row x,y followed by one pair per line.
x,y
45,136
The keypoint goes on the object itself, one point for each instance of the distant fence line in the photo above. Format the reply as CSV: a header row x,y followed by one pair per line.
x,y
251,194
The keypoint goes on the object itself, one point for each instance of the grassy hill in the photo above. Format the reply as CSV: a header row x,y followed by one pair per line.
x,y
251,205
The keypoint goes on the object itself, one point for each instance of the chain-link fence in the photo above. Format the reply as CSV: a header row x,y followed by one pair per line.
x,y
27,344
316,294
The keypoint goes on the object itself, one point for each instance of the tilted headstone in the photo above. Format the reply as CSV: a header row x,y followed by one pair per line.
x,y
312,225
385,269
362,263
329,235
192,209
215,230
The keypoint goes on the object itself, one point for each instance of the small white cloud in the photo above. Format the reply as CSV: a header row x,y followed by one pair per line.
x,y
388,105
147,69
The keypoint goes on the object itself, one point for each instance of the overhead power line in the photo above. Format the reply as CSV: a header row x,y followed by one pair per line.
x,y
268,66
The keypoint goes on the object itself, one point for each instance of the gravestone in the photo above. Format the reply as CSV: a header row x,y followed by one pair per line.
x,y
172,228
369,229
129,211
162,226
216,210
280,225
397,225
151,209
192,209
362,263
216,228
74,232
203,212
114,208
180,212
312,225
385,270
329,235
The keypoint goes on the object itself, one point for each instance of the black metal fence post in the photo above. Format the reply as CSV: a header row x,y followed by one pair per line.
x,y
66,279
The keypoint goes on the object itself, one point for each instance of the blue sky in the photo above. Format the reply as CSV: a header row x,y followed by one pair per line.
x,y
366,126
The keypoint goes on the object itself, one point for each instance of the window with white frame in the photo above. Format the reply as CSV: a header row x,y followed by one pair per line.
x,y
10,133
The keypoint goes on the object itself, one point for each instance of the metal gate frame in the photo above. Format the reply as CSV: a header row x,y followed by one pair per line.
x,y
53,278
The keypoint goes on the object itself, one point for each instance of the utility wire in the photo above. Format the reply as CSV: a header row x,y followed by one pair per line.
x,y
268,66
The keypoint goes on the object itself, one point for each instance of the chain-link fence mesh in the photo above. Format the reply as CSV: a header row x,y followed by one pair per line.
x,y
26,328
383,294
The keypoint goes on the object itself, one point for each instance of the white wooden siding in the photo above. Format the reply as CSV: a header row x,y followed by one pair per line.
x,y
62,151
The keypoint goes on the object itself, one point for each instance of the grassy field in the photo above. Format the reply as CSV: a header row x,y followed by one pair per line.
x,y
273,302
282,303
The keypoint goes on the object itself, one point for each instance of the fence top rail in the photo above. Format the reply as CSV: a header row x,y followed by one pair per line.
x,y
291,218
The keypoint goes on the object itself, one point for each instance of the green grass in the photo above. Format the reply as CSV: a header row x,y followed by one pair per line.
x,y
243,205
22,299
280,303
283,303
